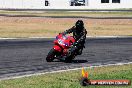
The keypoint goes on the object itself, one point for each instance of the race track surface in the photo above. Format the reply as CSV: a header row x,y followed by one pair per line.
x,y
26,56
86,17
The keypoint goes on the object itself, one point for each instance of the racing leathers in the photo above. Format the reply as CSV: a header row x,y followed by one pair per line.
x,y
80,37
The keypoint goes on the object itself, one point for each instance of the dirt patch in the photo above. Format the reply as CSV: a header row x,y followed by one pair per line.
x,y
41,27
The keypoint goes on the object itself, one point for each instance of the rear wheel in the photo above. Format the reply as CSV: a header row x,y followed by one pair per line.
x,y
69,59
51,56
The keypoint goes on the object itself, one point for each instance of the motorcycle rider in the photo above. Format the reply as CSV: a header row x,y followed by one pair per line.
x,y
79,33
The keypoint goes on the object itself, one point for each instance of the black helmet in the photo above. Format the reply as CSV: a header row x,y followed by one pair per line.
x,y
79,24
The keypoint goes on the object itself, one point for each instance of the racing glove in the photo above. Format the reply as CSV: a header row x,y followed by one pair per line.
x,y
76,43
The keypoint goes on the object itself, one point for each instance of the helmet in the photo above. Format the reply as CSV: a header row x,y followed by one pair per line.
x,y
79,25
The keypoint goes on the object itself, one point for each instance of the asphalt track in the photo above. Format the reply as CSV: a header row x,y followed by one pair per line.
x,y
85,10
86,17
27,56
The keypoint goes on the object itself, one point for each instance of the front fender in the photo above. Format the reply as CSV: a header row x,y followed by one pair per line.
x,y
57,48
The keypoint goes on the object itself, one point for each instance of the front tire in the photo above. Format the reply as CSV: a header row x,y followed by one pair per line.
x,y
51,56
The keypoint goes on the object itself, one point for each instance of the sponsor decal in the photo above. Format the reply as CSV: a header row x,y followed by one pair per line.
x,y
85,81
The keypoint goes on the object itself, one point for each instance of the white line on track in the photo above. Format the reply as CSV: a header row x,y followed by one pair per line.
x,y
42,73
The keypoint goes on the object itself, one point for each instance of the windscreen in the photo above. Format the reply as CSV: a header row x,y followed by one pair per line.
x,y
62,39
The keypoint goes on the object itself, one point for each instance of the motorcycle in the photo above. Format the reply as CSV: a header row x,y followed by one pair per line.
x,y
61,47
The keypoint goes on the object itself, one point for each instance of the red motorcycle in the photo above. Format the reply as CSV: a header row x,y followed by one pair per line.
x,y
60,50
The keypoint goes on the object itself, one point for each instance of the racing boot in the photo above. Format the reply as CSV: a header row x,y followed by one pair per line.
x,y
79,52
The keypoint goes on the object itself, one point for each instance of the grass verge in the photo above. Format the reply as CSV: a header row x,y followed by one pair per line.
x,y
23,27
69,79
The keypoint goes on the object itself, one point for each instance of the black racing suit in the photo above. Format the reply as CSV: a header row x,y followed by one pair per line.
x,y
80,37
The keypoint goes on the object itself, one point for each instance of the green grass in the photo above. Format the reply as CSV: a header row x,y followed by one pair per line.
x,y
70,79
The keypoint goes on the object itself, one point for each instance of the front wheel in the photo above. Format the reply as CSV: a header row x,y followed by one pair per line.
x,y
51,56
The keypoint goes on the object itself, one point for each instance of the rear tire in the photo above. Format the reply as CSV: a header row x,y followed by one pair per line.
x,y
51,56
69,59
